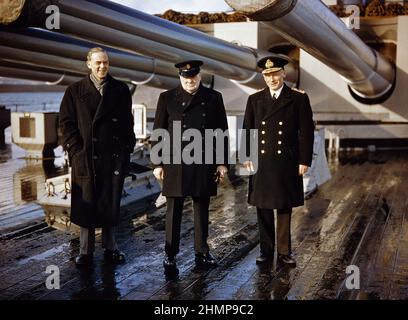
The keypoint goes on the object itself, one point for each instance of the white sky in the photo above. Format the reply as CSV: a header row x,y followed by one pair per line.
x,y
159,6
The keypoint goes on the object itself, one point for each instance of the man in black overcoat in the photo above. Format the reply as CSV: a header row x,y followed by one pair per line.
x,y
190,106
284,122
97,132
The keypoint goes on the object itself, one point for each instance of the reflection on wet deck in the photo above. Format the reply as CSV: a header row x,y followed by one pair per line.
x,y
358,217
22,184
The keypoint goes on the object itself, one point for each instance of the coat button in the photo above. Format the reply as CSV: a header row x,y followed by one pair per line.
x,y
279,132
116,173
68,145
183,104
183,115
279,142
116,155
203,126
184,126
94,140
263,141
262,151
263,132
263,122
95,157
115,119
204,114
280,123
202,103
279,151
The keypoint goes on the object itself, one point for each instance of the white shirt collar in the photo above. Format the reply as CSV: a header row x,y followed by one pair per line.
x,y
277,92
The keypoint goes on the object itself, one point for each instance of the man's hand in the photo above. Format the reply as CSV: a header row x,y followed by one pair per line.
x,y
249,166
158,173
221,172
302,169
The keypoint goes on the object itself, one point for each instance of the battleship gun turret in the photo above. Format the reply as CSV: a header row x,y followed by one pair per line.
x,y
311,26
60,52
128,29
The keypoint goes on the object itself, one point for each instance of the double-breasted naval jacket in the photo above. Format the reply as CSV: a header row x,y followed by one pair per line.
x,y
204,110
98,147
285,140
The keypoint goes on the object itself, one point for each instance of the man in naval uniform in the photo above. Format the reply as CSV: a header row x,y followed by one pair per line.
x,y
191,106
97,131
284,122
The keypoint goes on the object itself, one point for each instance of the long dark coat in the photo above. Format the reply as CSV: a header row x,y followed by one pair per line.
x,y
204,110
98,147
285,140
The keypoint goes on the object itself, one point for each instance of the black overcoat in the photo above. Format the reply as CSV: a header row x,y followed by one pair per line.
x,y
285,140
98,147
204,110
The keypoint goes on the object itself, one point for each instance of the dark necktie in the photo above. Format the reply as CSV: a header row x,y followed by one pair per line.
x,y
274,98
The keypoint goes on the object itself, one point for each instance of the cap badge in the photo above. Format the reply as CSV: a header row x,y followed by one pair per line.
x,y
188,67
269,64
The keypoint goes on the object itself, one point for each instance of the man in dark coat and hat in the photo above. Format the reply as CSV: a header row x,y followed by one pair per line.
x,y
284,122
97,132
190,107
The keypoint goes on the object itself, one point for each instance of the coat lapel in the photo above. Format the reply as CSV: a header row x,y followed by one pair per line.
x,y
88,95
265,103
181,98
105,104
197,98
283,100
185,100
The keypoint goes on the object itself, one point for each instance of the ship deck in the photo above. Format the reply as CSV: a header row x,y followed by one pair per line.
x,y
359,217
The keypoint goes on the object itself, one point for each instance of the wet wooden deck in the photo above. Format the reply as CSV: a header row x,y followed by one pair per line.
x,y
357,218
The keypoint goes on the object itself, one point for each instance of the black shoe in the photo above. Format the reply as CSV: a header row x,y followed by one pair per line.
x,y
287,259
169,262
264,258
205,258
114,256
84,260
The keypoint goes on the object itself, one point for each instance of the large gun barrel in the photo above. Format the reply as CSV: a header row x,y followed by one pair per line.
x,y
59,44
79,66
313,27
49,76
50,50
127,29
